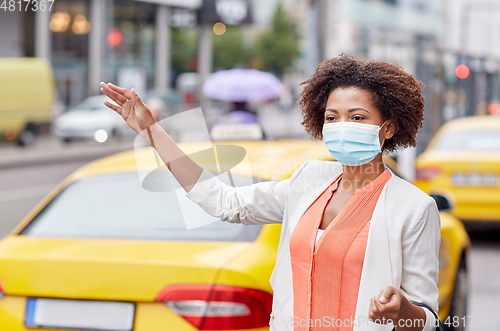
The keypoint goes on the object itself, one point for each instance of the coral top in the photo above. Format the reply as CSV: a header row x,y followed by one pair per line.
x,y
326,274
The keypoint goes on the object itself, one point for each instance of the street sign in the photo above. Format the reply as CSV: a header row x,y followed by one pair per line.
x,y
183,18
230,12
190,4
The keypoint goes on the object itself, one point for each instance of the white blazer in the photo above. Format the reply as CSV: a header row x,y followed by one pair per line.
x,y
402,248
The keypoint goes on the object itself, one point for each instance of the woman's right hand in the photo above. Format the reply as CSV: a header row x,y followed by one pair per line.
x,y
139,117
130,107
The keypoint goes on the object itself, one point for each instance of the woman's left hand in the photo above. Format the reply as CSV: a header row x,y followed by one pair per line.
x,y
385,306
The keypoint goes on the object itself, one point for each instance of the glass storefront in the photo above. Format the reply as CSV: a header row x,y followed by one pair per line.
x,y
129,54
70,26
128,39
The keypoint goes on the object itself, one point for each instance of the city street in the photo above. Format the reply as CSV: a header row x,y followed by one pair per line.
x,y
273,86
22,188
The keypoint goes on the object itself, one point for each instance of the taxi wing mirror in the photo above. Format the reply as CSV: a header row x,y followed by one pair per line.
x,y
442,202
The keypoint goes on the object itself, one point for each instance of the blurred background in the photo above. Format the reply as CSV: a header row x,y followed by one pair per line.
x,y
170,47
54,54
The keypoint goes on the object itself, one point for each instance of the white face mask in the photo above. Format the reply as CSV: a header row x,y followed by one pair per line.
x,y
352,143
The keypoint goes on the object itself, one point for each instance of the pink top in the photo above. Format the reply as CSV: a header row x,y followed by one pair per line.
x,y
327,265
351,273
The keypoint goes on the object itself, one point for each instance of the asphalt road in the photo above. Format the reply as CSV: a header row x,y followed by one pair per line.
x,y
22,188
484,273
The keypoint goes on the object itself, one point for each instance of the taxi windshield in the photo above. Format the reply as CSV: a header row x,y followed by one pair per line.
x,y
117,206
484,140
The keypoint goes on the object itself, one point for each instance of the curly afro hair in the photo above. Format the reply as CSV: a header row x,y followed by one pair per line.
x,y
395,93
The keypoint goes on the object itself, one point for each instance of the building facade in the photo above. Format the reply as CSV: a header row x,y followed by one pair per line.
x,y
408,33
89,41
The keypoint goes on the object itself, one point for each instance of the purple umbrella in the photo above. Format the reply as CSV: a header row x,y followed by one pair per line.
x,y
240,85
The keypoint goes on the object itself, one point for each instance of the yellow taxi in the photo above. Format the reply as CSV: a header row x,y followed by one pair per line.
x,y
100,252
462,162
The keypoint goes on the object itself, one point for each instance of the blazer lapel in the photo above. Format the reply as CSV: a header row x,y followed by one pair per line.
x,y
329,174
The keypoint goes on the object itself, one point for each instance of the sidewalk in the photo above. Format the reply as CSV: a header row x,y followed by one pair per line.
x,y
48,150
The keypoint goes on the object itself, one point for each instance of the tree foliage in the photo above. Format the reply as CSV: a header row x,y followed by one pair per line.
x,y
278,47
229,50
184,47
275,49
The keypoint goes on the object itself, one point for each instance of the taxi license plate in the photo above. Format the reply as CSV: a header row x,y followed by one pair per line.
x,y
79,314
474,179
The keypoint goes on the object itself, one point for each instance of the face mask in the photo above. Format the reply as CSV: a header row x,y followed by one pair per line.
x,y
352,143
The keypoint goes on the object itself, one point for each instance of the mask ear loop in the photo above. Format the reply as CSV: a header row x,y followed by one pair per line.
x,y
383,141
380,127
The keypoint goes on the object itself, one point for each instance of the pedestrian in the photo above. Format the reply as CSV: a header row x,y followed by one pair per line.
x,y
359,246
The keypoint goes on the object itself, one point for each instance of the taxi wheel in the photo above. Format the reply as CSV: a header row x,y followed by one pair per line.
x,y
459,298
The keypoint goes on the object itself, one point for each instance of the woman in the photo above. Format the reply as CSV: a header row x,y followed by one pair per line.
x,y
359,246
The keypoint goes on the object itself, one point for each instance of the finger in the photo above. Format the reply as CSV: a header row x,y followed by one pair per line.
x,y
120,90
113,96
374,316
373,309
114,107
386,294
136,97
105,87
110,93
379,306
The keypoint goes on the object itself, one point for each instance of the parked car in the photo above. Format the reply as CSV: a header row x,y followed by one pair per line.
x,y
462,162
117,256
90,120
27,91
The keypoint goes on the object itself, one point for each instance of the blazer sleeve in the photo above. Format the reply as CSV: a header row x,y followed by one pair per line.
x,y
258,203
421,259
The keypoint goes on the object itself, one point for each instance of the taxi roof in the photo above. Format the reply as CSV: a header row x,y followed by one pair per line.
x,y
268,159
473,123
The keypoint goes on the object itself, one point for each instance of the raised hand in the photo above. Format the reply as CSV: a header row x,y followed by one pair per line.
x,y
130,106
139,117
